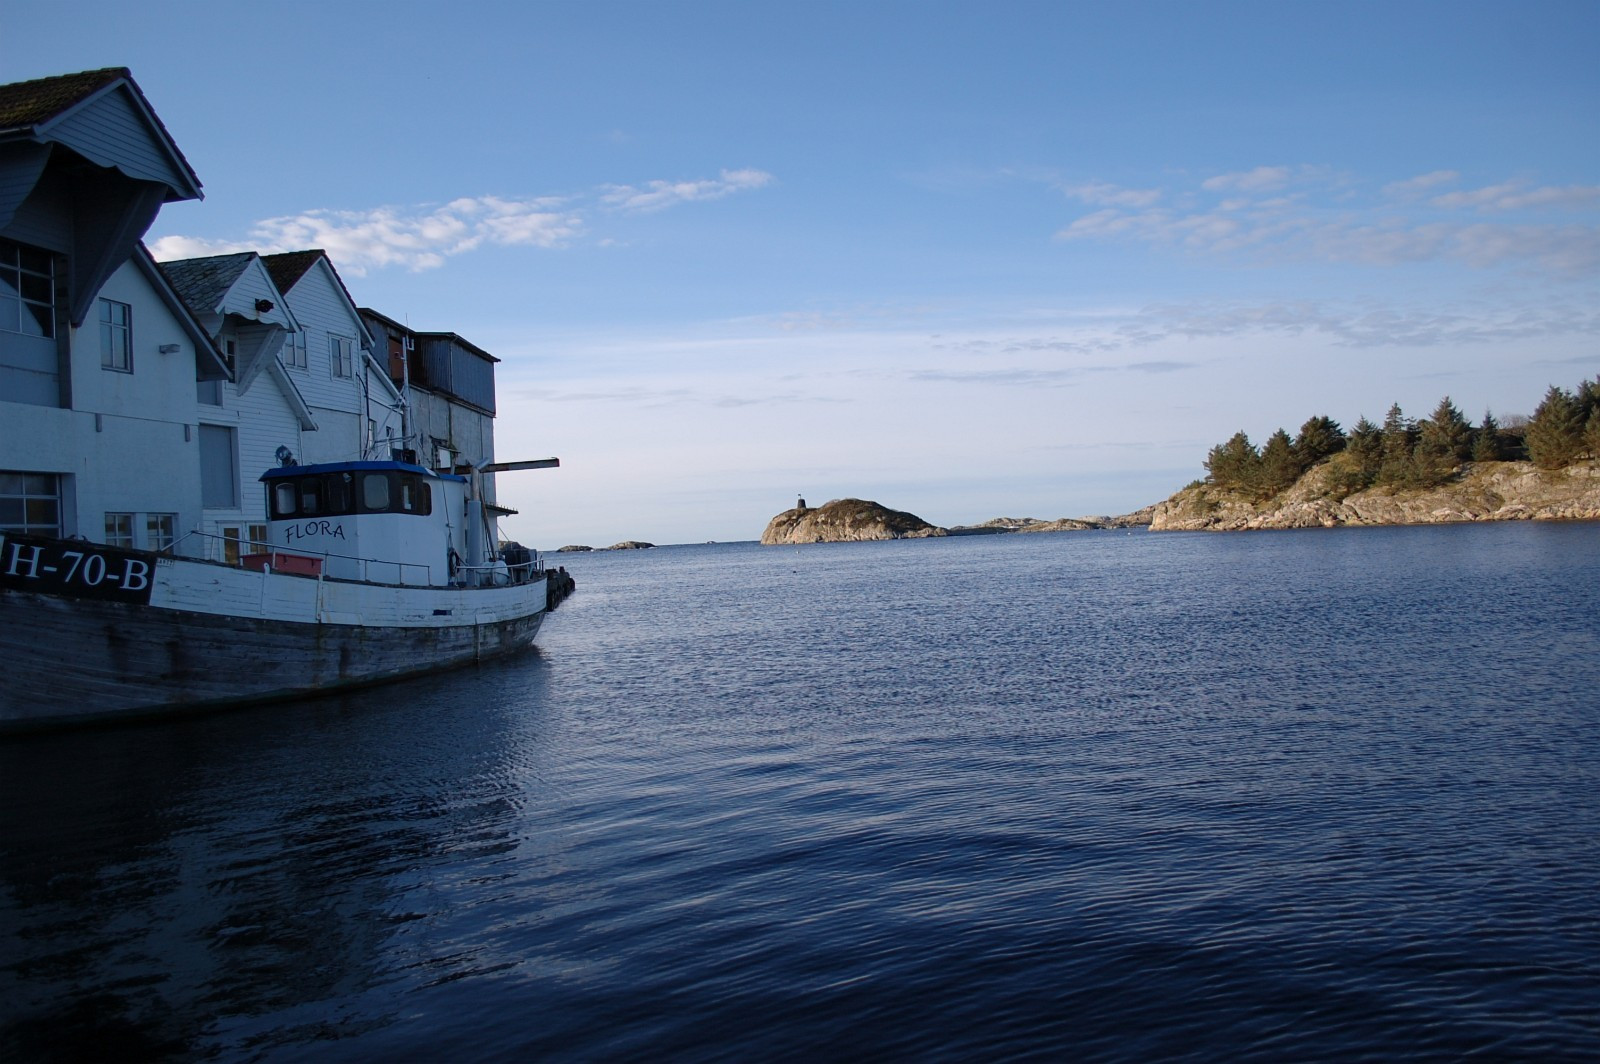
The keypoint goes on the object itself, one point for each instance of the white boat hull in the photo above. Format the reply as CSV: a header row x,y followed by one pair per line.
x,y
187,635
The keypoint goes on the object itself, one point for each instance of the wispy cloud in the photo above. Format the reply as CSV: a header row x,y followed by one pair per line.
x,y
657,195
1413,187
1514,195
1233,214
414,239
423,237
1364,325
1101,194
656,397
1261,179
1041,377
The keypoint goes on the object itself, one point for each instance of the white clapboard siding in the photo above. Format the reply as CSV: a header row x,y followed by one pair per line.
x,y
112,132
319,302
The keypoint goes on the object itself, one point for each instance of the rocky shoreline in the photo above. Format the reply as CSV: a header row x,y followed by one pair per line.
x,y
1479,491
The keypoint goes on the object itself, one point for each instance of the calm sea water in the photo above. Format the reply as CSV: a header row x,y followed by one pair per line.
x,y
1320,795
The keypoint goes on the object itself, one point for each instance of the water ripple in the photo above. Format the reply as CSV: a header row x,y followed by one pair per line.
x,y
1310,796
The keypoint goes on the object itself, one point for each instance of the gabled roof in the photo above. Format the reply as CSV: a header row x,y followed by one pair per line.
x,y
43,110
203,282
209,364
288,267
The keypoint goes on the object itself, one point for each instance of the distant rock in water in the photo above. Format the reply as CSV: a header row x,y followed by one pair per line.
x,y
573,548
846,521
998,525
1479,491
631,544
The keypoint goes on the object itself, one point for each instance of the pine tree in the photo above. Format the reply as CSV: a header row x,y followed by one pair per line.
x,y
1399,439
1366,446
1486,443
1280,466
1448,431
1589,400
1319,437
1555,433
1444,441
1235,465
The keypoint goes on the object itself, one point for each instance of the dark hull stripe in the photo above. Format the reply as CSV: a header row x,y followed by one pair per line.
x,y
69,660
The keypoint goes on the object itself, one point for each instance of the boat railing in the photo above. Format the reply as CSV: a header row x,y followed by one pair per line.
x,y
498,574
263,556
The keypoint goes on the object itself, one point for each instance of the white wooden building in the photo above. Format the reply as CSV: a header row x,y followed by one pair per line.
x,y
99,359
356,407
257,418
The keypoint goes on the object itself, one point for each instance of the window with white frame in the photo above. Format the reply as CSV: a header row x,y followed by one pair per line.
x,y
294,350
27,290
160,531
238,542
119,530
341,354
30,503
116,336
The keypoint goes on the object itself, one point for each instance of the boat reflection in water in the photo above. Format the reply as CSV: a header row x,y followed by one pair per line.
x,y
167,886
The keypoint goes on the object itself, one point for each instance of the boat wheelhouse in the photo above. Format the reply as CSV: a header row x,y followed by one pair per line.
x,y
384,522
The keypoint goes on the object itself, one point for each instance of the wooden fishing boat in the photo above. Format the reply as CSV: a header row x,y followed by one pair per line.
x,y
372,572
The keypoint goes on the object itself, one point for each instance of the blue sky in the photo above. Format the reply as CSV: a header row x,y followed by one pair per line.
x,y
970,260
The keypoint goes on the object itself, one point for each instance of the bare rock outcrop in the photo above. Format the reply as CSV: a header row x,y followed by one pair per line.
x,y
1137,519
846,521
1479,491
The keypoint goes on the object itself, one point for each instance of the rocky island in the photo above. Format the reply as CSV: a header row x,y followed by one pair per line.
x,y
1436,470
845,521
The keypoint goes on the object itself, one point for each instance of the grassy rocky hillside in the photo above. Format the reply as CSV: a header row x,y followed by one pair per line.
x,y
1439,469
846,521
1477,491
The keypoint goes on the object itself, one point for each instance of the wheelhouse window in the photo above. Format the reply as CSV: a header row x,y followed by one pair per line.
x,y
30,503
350,492
375,493
27,290
119,530
341,354
116,336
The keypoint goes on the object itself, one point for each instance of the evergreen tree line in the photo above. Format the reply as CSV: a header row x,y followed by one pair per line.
x,y
1414,454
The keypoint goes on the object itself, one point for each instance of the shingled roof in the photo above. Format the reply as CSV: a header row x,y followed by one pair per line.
x,y
288,267
29,108
201,283
26,104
